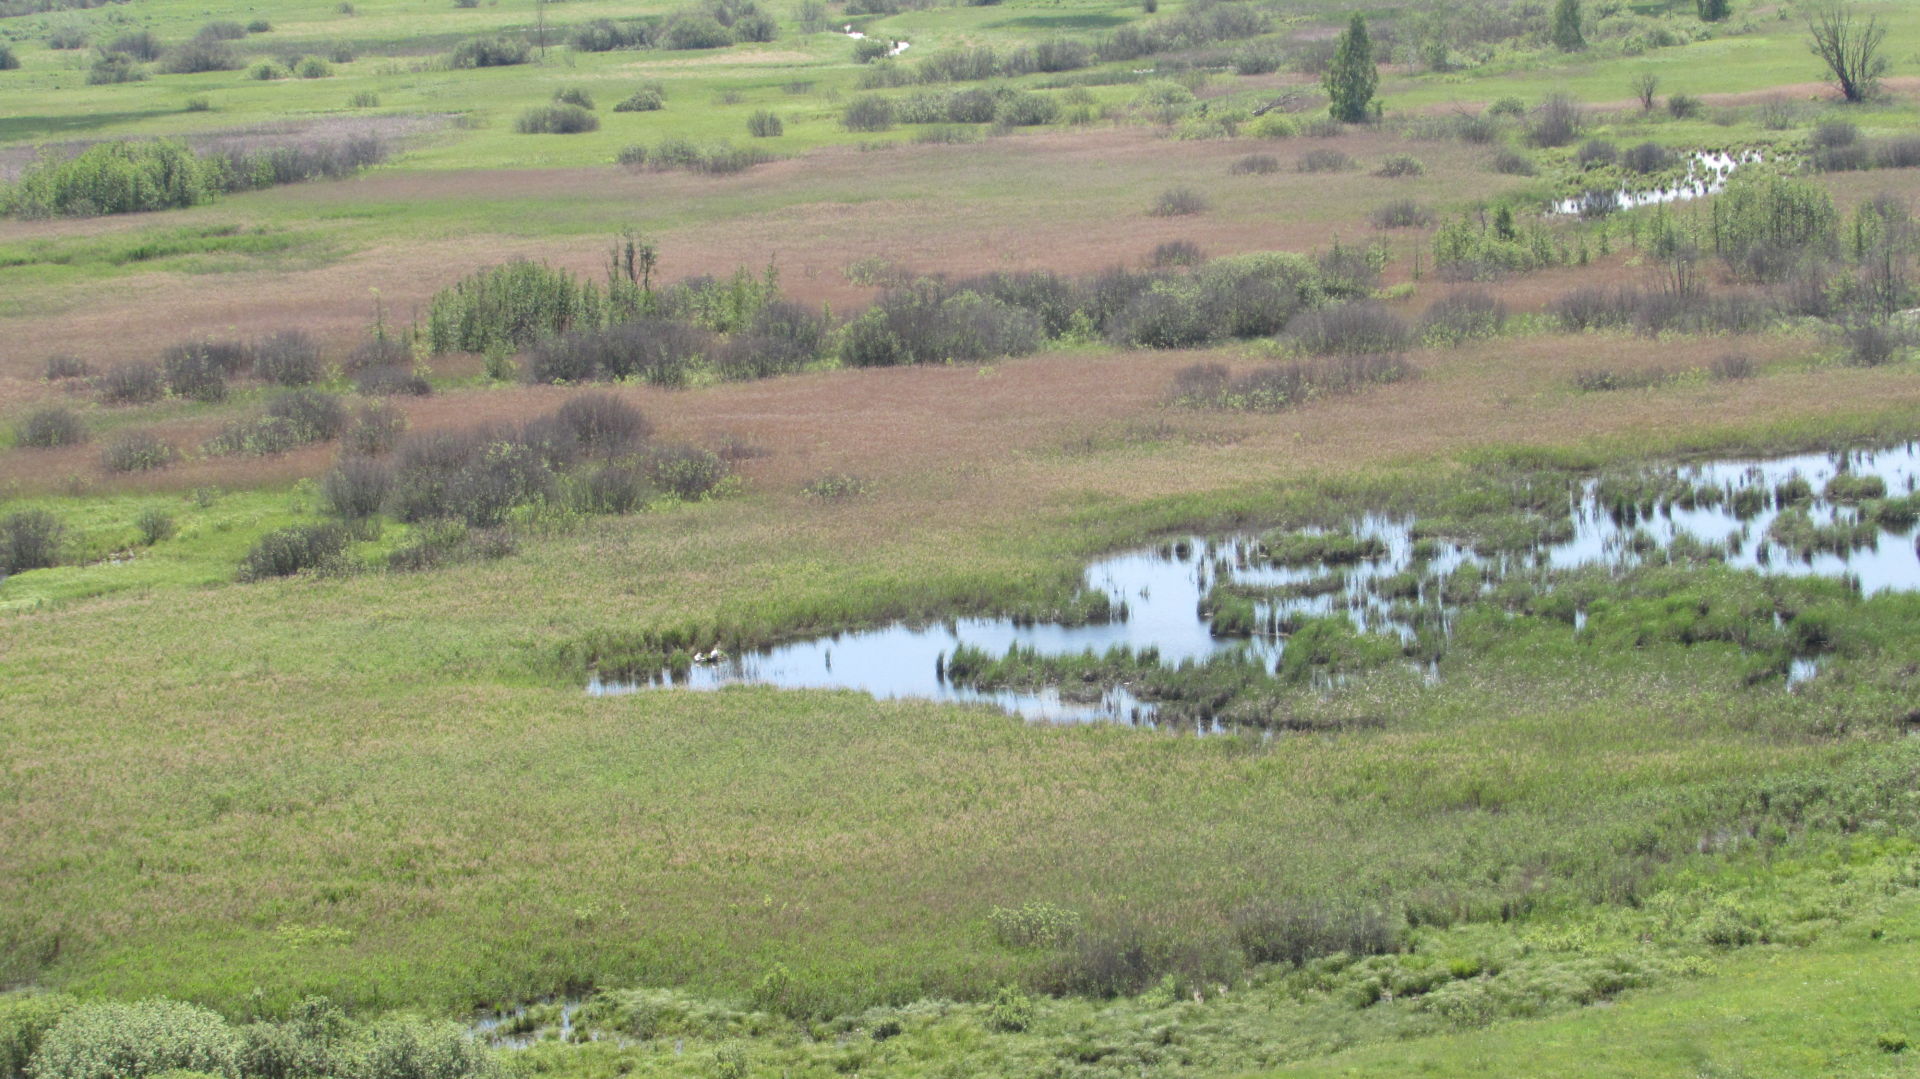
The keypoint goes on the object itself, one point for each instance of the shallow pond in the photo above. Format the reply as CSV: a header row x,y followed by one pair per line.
x,y
1398,582
1707,173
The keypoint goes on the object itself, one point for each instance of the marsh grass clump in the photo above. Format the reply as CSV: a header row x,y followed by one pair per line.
x,y
615,488
1512,163
132,384
1288,385
64,366
29,539
1255,165
138,451
1462,315
1273,931
556,120
1326,160
765,124
1284,548
1178,202
1604,380
1401,214
1401,165
154,525
1729,366
287,551
49,428
1176,253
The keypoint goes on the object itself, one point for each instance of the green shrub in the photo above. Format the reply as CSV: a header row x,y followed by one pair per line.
x,y
195,371
132,384
1011,1011
602,423
376,429
109,68
287,551
1033,925
139,44
573,95
1178,202
25,1018
46,428
867,113
765,124
67,36
137,451
130,1041
312,67
286,358
556,120
420,1049
112,178
695,30
154,524
29,539
489,52
197,56
1398,165
685,472
510,307
8,61
645,99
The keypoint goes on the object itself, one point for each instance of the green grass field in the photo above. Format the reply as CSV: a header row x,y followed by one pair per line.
x,y
1616,852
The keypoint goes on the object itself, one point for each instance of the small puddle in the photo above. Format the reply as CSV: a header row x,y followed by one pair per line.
x,y
1813,514
1707,174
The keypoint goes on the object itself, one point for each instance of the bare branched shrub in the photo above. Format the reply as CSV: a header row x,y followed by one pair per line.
x,y
1557,122
1326,160
357,487
1401,214
47,428
1176,253
376,429
288,551
287,358
1352,328
1462,315
1178,202
132,384
602,423
63,366
1255,165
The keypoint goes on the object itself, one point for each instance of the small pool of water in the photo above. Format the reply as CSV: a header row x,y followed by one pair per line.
x,y
1402,587
1707,173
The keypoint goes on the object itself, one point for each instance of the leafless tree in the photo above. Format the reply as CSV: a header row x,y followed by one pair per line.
x,y
1645,85
1848,46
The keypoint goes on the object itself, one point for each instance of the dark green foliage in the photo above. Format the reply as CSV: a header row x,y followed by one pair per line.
x,y
46,428
132,384
695,30
1567,35
783,337
868,113
25,1018
556,120
109,68
1714,10
111,178
29,539
137,451
1764,226
1352,78
288,551
489,52
868,49
8,61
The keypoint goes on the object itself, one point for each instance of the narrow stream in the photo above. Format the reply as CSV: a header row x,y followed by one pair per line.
x,y
1755,513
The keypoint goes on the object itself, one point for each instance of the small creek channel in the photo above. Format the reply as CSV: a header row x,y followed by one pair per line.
x,y
1159,591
